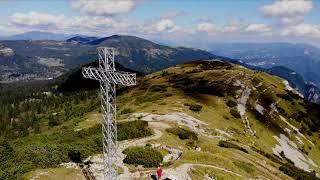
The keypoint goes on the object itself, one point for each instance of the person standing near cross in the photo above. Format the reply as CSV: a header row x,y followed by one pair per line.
x,y
159,172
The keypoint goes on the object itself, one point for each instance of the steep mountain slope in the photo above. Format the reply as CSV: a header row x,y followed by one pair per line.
x,y
301,58
209,119
270,125
29,60
74,80
290,75
309,90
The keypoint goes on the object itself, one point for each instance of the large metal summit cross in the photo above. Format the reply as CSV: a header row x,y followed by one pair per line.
x,y
108,77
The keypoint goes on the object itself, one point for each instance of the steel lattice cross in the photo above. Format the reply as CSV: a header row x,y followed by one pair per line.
x,y
109,78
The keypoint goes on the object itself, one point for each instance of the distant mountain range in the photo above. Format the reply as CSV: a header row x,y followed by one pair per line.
x,y
37,35
302,58
42,59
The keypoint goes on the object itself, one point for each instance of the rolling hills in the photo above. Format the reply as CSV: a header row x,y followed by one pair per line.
x,y
208,118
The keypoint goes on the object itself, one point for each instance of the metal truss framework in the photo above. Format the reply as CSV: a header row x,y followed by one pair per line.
x,y
108,77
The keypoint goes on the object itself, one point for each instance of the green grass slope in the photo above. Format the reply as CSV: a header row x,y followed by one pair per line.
x,y
246,124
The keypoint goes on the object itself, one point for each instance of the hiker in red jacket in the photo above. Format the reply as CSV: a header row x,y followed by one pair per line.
x,y
159,172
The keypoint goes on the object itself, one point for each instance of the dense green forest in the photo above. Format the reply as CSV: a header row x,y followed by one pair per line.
x,y
24,106
38,126
30,131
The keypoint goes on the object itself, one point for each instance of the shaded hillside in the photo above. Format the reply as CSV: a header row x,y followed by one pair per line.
x,y
293,78
82,39
74,81
310,91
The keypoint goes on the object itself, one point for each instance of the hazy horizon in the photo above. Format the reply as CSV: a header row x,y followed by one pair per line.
x,y
188,23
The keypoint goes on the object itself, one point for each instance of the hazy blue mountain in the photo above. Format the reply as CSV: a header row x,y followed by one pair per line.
x,y
302,58
37,35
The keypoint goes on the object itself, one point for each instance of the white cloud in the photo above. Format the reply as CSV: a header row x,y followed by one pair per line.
x,y
310,30
287,8
207,27
158,26
104,7
232,26
259,28
9,30
174,14
36,19
291,20
80,24
164,25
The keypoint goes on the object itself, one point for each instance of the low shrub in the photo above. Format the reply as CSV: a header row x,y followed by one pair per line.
x,y
267,155
194,107
231,103
164,73
183,133
227,144
75,156
285,97
149,97
146,156
126,111
191,144
267,98
53,121
158,88
297,173
133,129
235,113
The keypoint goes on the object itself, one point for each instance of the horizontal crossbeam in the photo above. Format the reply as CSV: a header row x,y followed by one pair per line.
x,y
116,77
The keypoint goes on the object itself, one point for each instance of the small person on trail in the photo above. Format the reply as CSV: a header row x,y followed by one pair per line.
x,y
159,172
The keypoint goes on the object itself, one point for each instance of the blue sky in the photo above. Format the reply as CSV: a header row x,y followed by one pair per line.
x,y
175,21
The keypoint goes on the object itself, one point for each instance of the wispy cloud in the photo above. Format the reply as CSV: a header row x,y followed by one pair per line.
x,y
102,19
287,8
104,7
288,11
260,28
